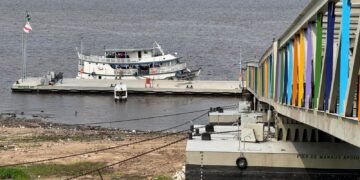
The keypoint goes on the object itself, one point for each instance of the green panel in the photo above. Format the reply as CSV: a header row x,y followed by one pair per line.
x,y
272,77
318,59
282,76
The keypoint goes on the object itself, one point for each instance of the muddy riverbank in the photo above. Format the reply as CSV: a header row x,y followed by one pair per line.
x,y
24,140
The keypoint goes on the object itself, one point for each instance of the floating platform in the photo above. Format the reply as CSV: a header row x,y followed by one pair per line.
x,y
73,85
217,158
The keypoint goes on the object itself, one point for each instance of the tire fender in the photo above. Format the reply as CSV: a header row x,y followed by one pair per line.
x,y
241,163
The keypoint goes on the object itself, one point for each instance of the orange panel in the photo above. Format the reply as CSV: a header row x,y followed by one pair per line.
x,y
358,99
301,68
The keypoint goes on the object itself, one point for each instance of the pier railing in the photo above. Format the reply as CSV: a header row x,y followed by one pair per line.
x,y
312,69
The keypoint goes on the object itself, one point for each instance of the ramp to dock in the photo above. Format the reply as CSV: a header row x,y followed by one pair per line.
x,y
72,85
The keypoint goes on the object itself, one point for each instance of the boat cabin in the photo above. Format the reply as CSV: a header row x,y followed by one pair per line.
x,y
132,53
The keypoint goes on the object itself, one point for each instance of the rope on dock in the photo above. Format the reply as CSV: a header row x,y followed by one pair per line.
x,y
152,117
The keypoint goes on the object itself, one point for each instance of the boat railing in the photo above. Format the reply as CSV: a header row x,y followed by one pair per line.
x,y
103,59
167,69
130,72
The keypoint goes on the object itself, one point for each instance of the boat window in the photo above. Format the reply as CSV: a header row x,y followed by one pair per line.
x,y
120,54
113,66
145,52
110,54
139,54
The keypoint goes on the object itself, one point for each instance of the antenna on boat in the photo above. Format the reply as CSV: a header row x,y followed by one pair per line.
x,y
81,45
159,47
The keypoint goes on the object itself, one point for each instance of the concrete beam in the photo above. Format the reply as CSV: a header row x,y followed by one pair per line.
x,y
308,14
335,80
275,60
354,65
320,100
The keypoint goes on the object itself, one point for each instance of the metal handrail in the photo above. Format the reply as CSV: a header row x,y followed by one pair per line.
x,y
103,59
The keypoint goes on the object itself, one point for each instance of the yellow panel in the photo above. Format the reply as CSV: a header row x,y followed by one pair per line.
x,y
301,68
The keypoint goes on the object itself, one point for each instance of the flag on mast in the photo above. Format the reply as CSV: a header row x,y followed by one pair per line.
x,y
27,27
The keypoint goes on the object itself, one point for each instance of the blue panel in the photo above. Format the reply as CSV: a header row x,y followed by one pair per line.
x,y
329,52
286,75
289,93
263,80
255,79
344,53
269,76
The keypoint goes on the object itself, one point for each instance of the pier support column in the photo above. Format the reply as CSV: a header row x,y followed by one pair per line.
x,y
254,102
269,114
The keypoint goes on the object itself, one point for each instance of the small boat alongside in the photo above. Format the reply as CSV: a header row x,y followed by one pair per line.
x,y
143,63
120,92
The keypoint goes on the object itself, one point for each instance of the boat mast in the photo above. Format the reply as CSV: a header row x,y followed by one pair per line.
x,y
24,41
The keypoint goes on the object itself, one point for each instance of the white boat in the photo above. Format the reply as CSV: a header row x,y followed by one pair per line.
x,y
120,92
144,63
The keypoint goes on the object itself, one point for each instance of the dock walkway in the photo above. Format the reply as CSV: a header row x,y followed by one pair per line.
x,y
72,85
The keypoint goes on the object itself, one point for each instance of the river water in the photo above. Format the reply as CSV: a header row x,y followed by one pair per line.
x,y
206,33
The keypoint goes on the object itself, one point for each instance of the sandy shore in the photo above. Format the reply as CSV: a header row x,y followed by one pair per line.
x,y
33,139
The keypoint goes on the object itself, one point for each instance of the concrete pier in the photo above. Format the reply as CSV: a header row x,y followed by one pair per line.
x,y
72,85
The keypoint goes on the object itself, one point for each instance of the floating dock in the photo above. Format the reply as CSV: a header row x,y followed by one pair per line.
x,y
73,85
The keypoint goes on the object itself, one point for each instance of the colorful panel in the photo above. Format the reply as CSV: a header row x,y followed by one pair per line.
x,y
258,79
295,71
329,53
301,68
318,60
255,79
269,77
278,76
266,78
309,68
344,53
282,76
286,74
